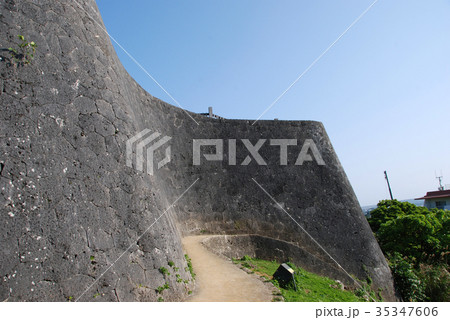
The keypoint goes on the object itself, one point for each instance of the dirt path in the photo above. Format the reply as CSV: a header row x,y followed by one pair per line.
x,y
219,279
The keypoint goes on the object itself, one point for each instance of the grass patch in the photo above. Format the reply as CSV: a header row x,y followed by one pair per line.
x,y
160,289
189,266
164,271
310,287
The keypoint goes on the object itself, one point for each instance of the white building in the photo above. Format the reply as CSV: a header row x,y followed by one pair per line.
x,y
437,199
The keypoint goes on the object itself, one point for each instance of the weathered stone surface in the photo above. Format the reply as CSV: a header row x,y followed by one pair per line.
x,y
70,206
66,194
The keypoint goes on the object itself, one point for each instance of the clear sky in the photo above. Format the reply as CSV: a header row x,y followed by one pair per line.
x,y
382,92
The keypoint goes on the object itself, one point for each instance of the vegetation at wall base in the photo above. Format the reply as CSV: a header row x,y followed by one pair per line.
x,y
310,287
416,243
189,266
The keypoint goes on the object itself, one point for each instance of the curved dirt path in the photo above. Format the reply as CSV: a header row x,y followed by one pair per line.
x,y
219,279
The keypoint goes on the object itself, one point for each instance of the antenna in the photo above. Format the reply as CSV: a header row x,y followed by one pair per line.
x,y
441,187
389,186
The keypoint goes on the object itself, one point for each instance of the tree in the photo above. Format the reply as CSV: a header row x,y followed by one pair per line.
x,y
391,209
412,231
412,235
416,241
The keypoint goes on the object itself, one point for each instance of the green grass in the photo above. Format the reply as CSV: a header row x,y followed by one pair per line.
x,y
164,271
160,289
310,287
189,266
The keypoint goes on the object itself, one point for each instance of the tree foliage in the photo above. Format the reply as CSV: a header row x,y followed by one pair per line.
x,y
390,210
416,241
415,232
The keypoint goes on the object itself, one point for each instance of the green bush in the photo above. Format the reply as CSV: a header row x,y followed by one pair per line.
x,y
436,279
406,280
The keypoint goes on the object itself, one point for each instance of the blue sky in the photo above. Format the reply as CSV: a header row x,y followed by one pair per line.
x,y
382,92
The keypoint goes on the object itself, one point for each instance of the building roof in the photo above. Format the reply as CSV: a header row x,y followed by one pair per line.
x,y
436,195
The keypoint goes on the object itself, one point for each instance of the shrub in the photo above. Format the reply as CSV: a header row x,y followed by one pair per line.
x,y
406,280
437,282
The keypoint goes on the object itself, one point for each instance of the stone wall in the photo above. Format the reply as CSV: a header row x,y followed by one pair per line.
x,y
66,195
71,207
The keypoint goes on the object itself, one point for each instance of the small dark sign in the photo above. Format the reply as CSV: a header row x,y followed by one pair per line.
x,y
284,275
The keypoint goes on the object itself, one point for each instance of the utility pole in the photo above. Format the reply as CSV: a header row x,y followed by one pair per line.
x,y
389,186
